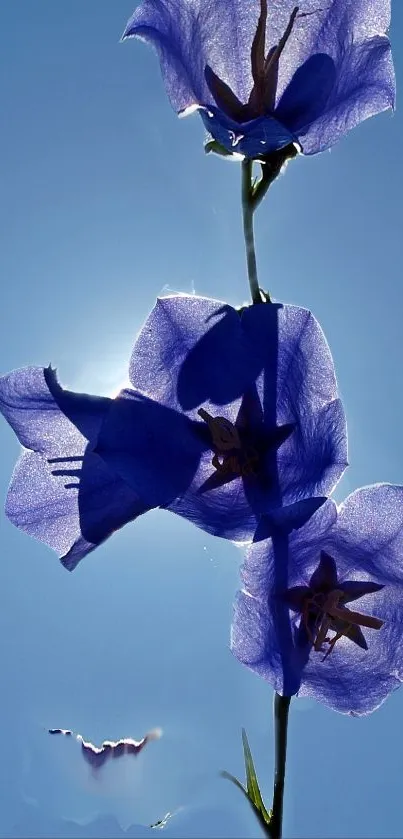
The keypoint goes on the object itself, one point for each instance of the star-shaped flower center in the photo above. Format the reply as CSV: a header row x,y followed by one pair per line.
x,y
324,615
230,456
239,448
264,73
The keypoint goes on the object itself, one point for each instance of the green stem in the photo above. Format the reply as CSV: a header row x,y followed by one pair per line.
x,y
260,190
281,709
247,211
252,195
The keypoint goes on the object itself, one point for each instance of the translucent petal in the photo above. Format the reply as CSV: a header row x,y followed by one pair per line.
x,y
365,542
61,493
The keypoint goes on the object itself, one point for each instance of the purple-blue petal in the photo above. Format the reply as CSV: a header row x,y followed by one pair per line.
x,y
72,506
224,511
36,407
296,385
365,540
365,87
306,97
289,518
252,139
154,449
257,570
61,493
294,353
192,351
335,71
371,519
355,82
327,29
188,35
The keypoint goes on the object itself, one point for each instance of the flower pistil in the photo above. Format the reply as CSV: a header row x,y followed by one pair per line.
x,y
328,613
229,456
264,73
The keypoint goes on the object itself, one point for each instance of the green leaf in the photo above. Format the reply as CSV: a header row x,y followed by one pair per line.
x,y
252,790
234,780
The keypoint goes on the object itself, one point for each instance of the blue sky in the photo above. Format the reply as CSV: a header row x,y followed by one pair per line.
x,y
107,201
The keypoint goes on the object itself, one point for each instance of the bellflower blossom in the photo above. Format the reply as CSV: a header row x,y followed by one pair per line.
x,y
250,396
231,414
61,492
321,609
269,74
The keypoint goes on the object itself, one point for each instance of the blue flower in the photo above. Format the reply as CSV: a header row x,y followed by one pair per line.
x,y
266,75
61,492
320,611
232,413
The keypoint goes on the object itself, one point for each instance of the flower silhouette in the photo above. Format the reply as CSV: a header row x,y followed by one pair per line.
x,y
267,75
320,609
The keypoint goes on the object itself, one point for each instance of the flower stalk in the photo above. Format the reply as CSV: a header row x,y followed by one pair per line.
x,y
271,821
253,192
281,710
247,213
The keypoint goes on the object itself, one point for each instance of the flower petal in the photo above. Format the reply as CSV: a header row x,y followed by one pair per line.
x,y
327,28
289,518
261,634
252,139
254,642
190,34
61,493
198,352
191,351
365,87
299,386
224,511
325,575
337,70
353,680
259,565
306,97
36,407
302,42
371,521
294,354
72,506
154,449
366,543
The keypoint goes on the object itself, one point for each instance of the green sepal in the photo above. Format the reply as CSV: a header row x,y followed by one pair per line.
x,y
252,790
216,147
265,295
265,299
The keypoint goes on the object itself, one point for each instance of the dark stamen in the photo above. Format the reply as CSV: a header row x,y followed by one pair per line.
x,y
224,433
262,97
331,615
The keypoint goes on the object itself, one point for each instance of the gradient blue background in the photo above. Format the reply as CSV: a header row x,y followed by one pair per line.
x,y
107,201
